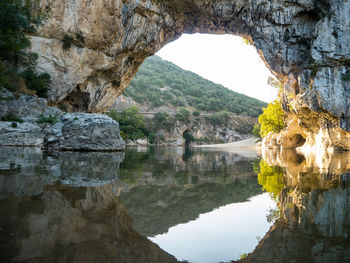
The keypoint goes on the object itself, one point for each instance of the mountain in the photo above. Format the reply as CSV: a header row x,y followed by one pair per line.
x,y
159,82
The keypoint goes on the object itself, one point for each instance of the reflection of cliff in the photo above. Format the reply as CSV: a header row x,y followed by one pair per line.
x,y
68,224
27,170
163,187
314,225
317,163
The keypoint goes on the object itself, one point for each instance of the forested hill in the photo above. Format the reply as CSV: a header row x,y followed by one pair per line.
x,y
159,82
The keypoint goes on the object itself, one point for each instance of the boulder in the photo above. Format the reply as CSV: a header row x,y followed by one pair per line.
x,y
86,132
72,131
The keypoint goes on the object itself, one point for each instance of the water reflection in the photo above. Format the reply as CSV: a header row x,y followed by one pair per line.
x,y
314,209
171,185
92,207
25,171
72,224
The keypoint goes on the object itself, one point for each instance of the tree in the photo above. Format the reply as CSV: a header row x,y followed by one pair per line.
x,y
272,118
163,120
256,131
131,123
218,119
183,115
18,17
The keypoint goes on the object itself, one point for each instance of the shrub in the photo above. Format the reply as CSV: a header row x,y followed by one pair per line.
x,y
256,131
183,115
196,113
67,42
51,119
38,82
11,117
131,123
18,17
151,138
218,119
272,118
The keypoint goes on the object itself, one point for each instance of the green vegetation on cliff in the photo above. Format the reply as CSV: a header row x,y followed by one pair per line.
x,y
132,125
17,65
273,116
159,82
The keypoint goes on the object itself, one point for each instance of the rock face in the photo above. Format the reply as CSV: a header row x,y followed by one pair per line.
x,y
305,43
90,132
72,131
21,134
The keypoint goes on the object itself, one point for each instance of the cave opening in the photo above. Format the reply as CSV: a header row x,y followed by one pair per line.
x,y
297,140
188,137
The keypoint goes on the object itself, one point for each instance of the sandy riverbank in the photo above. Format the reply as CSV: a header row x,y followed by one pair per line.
x,y
249,143
248,148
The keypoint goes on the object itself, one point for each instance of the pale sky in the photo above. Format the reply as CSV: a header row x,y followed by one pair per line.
x,y
223,59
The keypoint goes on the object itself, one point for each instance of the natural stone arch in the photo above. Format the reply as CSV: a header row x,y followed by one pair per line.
x,y
303,43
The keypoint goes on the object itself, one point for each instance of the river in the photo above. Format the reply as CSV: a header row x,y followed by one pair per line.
x,y
171,204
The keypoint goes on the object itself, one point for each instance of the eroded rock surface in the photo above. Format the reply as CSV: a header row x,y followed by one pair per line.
x,y
62,131
305,43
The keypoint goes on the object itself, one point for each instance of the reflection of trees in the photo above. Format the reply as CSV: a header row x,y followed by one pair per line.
x,y
172,185
155,208
314,209
271,178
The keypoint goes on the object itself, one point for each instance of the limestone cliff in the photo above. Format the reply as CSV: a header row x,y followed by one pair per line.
x,y
305,43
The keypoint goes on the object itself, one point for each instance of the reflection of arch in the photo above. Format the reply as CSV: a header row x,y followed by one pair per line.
x,y
297,140
308,238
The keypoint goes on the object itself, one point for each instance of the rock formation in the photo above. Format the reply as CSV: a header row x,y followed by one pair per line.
x,y
46,126
305,43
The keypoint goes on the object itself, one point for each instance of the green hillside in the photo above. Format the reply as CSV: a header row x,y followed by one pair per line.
x,y
159,82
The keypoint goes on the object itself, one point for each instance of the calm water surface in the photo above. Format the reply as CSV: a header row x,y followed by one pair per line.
x,y
170,204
